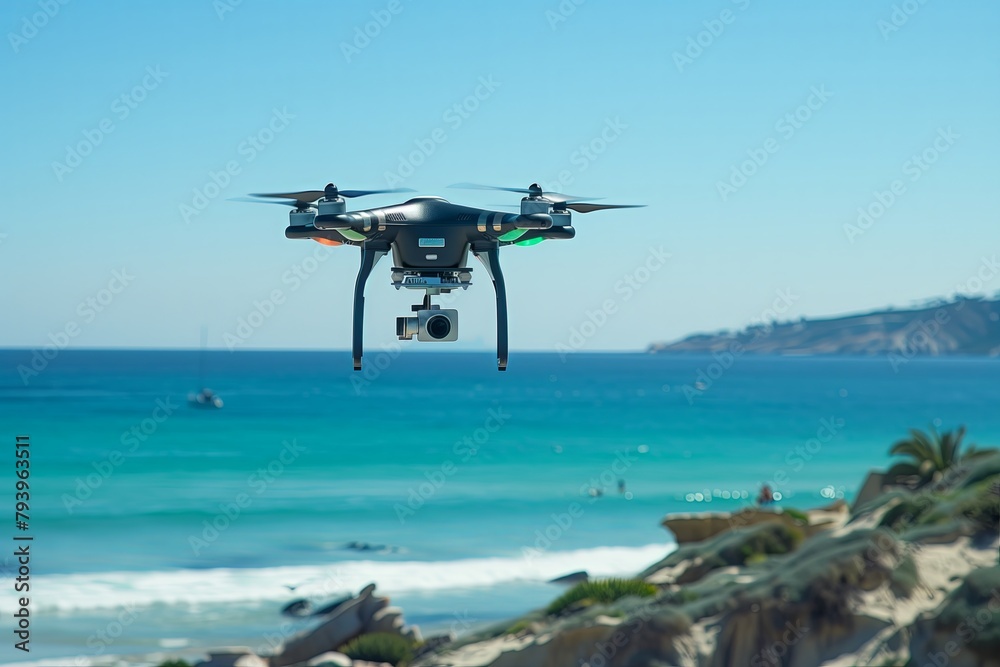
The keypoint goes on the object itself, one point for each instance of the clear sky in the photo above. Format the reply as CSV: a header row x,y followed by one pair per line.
x,y
753,129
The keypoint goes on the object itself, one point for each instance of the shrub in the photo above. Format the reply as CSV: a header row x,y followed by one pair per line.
x,y
798,515
604,591
905,513
379,647
174,663
769,539
905,578
518,626
983,509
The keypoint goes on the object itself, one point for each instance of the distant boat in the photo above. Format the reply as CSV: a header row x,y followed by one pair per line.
x,y
205,398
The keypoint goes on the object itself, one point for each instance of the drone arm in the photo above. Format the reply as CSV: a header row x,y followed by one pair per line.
x,y
490,257
371,253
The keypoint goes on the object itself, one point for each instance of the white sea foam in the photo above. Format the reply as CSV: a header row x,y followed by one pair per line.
x,y
202,587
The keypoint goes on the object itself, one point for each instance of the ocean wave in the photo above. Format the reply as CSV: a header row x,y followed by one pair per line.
x,y
68,592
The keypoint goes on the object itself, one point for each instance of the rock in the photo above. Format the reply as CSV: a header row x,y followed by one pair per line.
x,y
700,526
297,608
360,615
331,659
434,642
571,578
387,619
871,488
380,548
323,611
233,657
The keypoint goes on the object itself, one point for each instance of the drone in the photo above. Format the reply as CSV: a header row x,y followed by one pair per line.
x,y
430,240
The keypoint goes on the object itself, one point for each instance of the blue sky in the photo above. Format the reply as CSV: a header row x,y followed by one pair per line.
x,y
638,102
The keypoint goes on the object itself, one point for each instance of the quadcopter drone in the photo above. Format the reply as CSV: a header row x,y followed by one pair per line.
x,y
430,240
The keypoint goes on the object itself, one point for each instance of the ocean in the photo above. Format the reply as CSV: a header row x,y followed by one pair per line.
x,y
161,527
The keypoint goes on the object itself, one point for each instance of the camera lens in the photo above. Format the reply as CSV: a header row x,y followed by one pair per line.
x,y
438,327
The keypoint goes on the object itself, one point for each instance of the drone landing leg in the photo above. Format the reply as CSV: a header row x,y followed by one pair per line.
x,y
491,260
370,255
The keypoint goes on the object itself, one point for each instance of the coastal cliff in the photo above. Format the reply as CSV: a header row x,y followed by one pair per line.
x,y
960,327
904,579
907,576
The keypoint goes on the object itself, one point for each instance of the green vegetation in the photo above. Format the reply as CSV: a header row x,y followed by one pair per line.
x,y
518,626
907,512
982,507
798,515
776,539
603,591
977,504
380,647
905,578
174,663
928,455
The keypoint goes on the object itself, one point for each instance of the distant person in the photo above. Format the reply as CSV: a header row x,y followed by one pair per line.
x,y
621,486
766,496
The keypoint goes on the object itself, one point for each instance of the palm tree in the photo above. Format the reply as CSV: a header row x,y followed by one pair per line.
x,y
930,454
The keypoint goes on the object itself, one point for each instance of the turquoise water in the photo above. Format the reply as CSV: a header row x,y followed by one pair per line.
x,y
192,522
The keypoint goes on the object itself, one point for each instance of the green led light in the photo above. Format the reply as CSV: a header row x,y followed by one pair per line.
x,y
352,235
534,241
513,235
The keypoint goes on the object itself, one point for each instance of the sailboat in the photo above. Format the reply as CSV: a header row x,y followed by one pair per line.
x,y
205,397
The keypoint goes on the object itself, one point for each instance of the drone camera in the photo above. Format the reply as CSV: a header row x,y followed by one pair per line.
x,y
434,325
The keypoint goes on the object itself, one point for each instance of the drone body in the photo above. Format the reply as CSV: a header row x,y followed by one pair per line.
x,y
430,240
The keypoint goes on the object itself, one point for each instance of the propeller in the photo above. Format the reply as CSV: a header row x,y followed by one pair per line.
x,y
590,208
300,205
578,206
331,191
533,190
